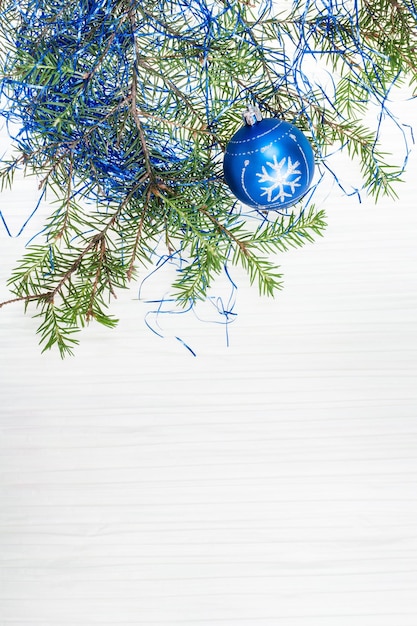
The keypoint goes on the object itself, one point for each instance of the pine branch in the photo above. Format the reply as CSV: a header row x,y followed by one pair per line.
x,y
126,109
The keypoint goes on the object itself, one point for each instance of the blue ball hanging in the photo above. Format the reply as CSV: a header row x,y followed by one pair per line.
x,y
268,163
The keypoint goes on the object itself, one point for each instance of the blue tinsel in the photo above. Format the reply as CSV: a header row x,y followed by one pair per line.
x,y
70,111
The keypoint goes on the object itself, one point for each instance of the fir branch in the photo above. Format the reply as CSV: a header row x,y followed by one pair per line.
x,y
126,109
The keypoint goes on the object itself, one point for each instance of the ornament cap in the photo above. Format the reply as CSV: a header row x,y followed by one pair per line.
x,y
252,115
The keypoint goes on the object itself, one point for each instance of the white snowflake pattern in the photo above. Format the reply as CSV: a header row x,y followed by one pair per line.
x,y
282,175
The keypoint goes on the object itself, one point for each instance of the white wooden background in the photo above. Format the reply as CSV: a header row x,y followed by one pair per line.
x,y
269,483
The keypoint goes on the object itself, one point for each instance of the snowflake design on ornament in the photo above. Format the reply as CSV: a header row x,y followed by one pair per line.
x,y
280,177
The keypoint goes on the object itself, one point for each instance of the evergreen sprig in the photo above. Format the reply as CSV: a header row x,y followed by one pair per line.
x,y
125,108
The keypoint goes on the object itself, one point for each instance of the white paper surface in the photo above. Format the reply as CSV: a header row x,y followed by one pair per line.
x,y
269,483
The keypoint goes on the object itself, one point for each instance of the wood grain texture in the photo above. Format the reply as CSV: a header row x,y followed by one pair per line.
x,y
269,483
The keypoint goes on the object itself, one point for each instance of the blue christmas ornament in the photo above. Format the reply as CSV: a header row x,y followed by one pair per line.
x,y
268,163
